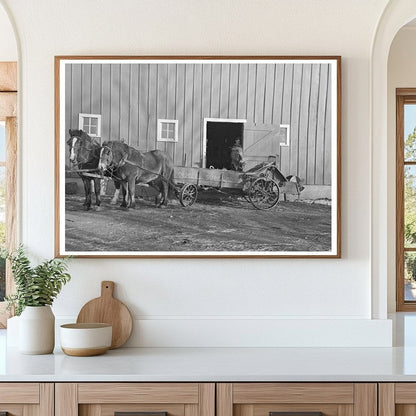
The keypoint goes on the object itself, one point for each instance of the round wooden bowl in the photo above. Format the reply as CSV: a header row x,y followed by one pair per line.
x,y
84,340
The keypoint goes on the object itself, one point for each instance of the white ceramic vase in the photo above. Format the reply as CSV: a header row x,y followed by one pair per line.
x,y
37,330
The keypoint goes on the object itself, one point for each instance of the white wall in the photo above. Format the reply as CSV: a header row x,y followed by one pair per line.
x,y
8,46
401,74
203,302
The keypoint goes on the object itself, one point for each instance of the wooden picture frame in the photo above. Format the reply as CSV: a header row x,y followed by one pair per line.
x,y
246,149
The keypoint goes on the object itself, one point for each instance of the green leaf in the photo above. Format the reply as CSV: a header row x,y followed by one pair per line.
x,y
35,286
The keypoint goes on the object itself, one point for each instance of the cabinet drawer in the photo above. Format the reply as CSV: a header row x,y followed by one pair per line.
x,y
297,399
21,399
144,399
19,393
138,393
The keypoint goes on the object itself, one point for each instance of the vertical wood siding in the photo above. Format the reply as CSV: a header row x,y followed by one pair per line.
x,y
132,97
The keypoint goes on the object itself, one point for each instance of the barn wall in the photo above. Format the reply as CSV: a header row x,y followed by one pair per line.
x,y
132,97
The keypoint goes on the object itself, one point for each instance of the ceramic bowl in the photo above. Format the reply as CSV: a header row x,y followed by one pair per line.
x,y
83,340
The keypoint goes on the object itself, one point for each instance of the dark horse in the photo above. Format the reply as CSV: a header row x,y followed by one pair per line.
x,y
154,168
84,154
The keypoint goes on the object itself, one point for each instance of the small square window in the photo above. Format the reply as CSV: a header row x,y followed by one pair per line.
x,y
91,124
167,130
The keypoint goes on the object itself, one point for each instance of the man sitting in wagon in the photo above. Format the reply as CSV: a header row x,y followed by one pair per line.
x,y
237,159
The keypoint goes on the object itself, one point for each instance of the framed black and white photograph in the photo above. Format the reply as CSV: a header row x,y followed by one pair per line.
x,y
198,156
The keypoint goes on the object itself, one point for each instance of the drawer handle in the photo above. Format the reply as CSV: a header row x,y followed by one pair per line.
x,y
139,414
295,414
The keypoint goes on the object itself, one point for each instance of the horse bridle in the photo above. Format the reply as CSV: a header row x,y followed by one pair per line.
x,y
87,146
110,154
113,165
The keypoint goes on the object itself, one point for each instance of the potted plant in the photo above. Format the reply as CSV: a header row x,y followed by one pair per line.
x,y
36,289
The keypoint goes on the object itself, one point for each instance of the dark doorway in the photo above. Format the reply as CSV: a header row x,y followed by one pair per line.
x,y
221,137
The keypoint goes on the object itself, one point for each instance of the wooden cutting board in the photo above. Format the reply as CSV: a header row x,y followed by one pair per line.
x,y
107,309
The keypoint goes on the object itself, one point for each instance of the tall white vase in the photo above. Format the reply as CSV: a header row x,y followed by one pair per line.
x,y
37,330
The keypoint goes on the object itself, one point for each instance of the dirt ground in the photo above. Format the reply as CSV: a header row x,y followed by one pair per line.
x,y
216,222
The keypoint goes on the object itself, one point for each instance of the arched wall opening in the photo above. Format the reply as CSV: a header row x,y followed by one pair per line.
x,y
396,15
401,73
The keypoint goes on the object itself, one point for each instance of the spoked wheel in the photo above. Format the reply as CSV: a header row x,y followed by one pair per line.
x,y
188,195
264,193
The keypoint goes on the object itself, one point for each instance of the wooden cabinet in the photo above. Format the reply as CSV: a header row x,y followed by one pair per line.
x,y
208,399
27,399
107,399
297,399
397,399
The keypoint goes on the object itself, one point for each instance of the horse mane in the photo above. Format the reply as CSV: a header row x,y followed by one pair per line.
x,y
86,136
75,132
81,134
125,147
126,151
118,145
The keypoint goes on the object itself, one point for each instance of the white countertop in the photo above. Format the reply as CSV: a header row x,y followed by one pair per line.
x,y
215,364
221,364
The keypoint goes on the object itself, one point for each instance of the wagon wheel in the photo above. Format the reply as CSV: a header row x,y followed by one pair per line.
x,y
264,193
188,194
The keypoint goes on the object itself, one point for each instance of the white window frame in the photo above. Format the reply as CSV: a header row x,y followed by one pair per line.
x,y
160,122
86,115
287,127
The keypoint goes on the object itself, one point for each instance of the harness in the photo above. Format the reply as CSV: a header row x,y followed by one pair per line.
x,y
111,167
124,160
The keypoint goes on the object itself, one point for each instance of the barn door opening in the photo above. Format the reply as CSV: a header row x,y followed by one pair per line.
x,y
220,138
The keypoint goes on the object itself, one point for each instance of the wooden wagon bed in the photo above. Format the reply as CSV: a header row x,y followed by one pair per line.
x,y
214,178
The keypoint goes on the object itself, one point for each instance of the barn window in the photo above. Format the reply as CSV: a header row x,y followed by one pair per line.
x,y
167,130
91,124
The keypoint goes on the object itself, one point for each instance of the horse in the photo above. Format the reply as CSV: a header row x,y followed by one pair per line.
x,y
133,166
84,154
